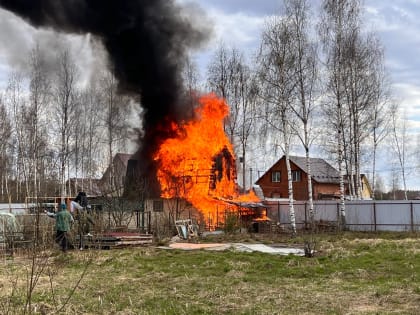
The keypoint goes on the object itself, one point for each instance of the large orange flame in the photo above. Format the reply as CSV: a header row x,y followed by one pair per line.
x,y
198,164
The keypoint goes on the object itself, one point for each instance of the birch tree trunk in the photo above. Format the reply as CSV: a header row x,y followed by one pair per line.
x,y
306,67
278,80
310,192
342,191
292,215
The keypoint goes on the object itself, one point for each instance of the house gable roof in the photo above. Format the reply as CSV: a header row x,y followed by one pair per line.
x,y
119,166
321,171
123,157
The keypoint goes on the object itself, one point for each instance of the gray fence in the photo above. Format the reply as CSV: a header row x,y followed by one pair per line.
x,y
361,215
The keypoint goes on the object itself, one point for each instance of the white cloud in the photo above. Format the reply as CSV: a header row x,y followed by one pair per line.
x,y
386,16
237,29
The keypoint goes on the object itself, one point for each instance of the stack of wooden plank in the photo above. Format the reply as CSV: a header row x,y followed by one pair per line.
x,y
117,239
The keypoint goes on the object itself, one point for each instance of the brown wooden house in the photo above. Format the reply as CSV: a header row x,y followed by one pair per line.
x,y
325,179
113,180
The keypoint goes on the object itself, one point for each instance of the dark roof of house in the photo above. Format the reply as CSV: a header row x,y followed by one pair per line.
x,y
138,179
321,171
89,185
124,157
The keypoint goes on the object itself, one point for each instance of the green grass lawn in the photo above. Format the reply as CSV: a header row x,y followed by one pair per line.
x,y
350,274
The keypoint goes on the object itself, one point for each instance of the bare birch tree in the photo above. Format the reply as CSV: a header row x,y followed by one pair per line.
x,y
362,87
235,93
65,111
306,69
218,73
277,74
380,113
39,95
89,147
249,97
355,85
16,102
339,21
231,78
222,81
191,79
114,121
400,146
5,143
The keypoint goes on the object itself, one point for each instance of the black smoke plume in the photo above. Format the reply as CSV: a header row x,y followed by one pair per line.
x,y
146,41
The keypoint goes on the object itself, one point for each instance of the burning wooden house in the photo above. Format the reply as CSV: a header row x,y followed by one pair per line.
x,y
196,171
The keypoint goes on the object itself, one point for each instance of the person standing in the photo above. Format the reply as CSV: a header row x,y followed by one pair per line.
x,y
63,223
78,203
80,208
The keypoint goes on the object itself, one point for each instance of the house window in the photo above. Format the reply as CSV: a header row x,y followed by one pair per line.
x,y
158,205
275,177
295,176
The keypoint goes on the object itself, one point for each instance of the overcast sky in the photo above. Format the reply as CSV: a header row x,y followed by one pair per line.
x,y
239,23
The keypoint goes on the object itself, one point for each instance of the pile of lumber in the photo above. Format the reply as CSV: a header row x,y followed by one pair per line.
x,y
117,239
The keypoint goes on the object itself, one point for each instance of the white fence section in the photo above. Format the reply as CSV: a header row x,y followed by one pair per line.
x,y
15,208
361,215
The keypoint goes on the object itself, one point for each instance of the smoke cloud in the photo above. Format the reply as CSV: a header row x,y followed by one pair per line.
x,y
146,41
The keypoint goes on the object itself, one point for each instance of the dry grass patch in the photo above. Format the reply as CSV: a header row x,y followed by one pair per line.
x,y
350,274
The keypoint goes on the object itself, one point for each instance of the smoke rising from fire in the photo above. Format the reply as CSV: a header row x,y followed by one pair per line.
x,y
146,41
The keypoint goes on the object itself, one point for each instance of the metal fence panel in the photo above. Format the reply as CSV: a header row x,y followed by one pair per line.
x,y
325,211
360,216
393,217
300,208
416,216
284,213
